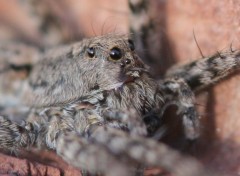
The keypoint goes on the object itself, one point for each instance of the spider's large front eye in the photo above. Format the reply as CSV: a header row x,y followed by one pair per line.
x,y
131,45
91,52
115,53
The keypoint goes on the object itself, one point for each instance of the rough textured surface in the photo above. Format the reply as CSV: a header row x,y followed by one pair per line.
x,y
9,167
216,27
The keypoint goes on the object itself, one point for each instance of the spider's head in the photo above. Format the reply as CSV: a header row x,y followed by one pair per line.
x,y
117,58
76,71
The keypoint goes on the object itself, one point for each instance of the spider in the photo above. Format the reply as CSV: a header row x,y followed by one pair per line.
x,y
97,105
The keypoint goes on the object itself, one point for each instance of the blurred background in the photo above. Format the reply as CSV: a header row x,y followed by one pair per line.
x,y
216,25
50,22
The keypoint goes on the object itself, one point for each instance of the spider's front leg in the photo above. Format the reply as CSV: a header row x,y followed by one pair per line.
x,y
177,92
91,156
114,152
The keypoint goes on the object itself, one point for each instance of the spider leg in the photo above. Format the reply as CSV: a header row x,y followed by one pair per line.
x,y
74,146
68,143
130,117
177,92
89,155
108,150
146,151
14,136
39,130
204,72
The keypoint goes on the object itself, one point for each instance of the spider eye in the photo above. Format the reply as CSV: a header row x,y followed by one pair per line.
x,y
91,52
131,45
115,53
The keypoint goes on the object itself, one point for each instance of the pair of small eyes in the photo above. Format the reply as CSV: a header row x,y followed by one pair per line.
x,y
115,52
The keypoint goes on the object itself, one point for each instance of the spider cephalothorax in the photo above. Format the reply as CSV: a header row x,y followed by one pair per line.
x,y
96,64
104,72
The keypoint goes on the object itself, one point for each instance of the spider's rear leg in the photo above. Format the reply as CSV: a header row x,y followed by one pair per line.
x,y
177,92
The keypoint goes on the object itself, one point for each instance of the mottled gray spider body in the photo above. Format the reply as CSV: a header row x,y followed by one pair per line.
x,y
90,104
